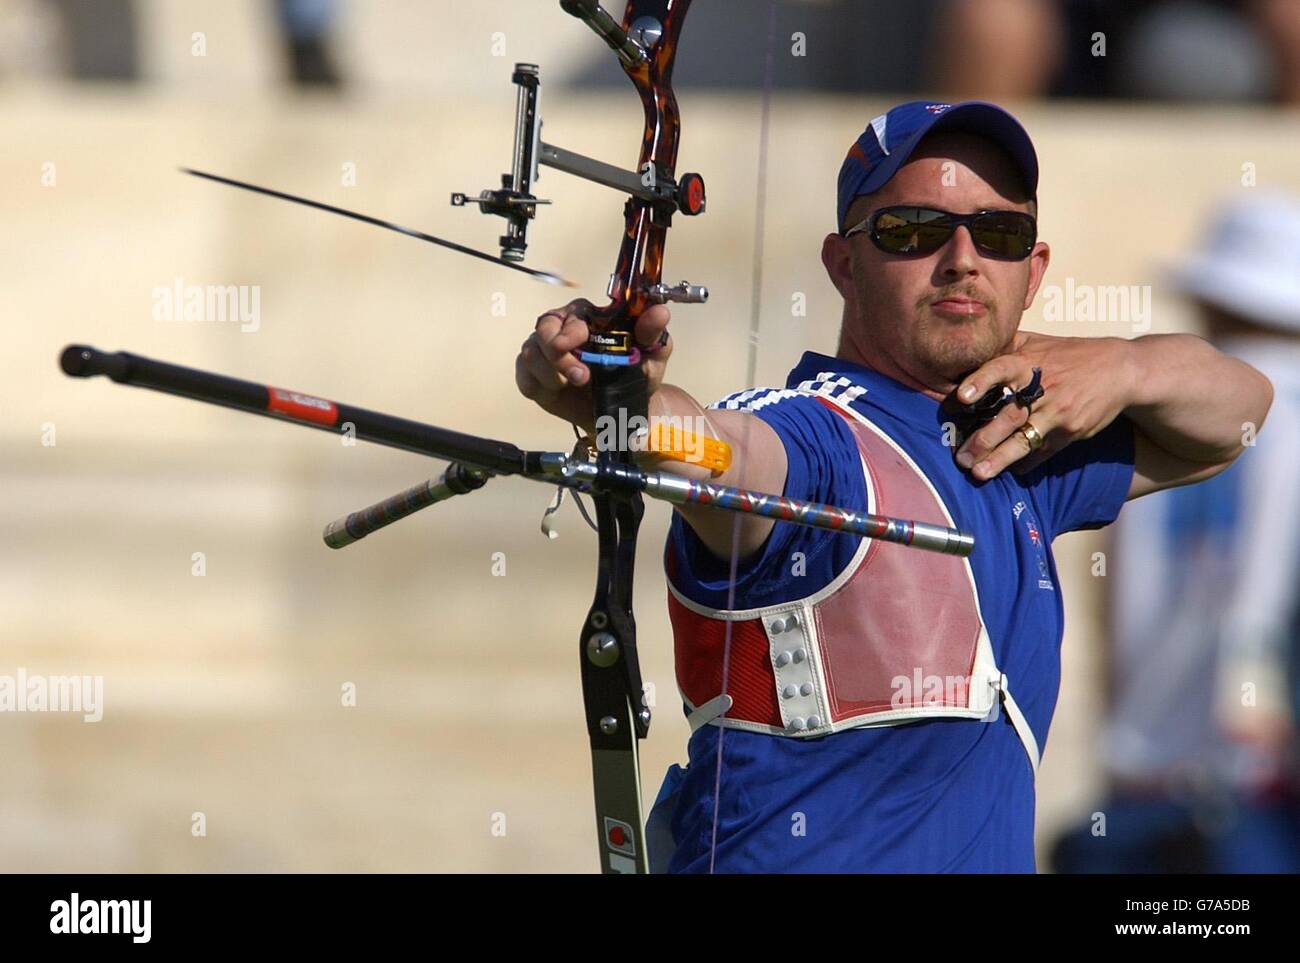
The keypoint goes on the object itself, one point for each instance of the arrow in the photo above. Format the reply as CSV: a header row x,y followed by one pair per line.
x,y
545,276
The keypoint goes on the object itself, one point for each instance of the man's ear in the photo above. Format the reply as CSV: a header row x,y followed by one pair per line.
x,y
1038,261
837,257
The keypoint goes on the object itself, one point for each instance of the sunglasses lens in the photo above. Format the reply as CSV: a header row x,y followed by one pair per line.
x,y
912,230
1009,235
1004,234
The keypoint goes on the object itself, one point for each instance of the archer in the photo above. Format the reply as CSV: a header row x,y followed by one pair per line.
x,y
935,407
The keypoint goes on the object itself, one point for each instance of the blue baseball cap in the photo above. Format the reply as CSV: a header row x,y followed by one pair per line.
x,y
889,140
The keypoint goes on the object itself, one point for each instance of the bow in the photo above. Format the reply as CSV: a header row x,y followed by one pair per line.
x,y
617,717
645,42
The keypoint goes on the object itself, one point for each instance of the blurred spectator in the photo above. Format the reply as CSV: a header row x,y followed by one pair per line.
x,y
1200,748
1162,49
305,26
100,38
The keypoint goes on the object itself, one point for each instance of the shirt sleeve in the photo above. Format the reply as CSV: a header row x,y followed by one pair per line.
x,y
1085,485
823,465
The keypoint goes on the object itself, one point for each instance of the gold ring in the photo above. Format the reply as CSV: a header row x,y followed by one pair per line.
x,y
1032,438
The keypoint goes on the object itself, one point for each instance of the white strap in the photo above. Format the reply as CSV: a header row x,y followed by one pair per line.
x,y
703,715
1019,722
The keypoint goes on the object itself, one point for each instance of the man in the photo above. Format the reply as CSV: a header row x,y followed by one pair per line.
x,y
860,685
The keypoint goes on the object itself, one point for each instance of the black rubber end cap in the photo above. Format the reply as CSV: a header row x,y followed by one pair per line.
x,y
74,360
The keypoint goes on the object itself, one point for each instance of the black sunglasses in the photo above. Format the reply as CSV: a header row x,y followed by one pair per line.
x,y
1005,235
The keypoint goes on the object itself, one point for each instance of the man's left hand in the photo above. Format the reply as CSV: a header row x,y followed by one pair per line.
x,y
1086,383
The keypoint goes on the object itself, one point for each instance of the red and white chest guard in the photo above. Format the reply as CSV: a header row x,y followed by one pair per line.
x,y
896,637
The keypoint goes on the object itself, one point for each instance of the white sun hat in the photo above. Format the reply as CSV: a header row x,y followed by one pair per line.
x,y
1249,260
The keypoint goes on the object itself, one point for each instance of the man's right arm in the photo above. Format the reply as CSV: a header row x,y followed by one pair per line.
x,y
758,462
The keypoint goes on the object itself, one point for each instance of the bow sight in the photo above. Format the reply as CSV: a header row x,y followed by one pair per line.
x,y
516,203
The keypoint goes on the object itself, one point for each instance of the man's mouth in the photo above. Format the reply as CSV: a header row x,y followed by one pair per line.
x,y
959,306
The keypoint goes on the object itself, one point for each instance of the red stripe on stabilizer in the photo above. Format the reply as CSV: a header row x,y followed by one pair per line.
x,y
301,407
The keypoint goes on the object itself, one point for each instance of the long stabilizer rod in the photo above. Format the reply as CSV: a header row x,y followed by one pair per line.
x,y
497,457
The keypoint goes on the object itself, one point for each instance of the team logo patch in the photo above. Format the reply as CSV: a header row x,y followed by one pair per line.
x,y
1029,525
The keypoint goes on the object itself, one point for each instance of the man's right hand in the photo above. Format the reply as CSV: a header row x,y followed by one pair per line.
x,y
548,371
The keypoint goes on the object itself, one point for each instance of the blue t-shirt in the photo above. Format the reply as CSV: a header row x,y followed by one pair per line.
x,y
932,796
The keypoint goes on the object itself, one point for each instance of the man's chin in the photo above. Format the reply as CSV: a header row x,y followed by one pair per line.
x,y
953,366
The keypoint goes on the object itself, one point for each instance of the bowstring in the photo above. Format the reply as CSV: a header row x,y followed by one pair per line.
x,y
751,375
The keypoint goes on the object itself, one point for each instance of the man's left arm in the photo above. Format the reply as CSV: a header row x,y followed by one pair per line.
x,y
1194,409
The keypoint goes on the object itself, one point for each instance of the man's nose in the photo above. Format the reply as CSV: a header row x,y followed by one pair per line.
x,y
958,258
